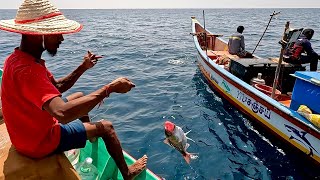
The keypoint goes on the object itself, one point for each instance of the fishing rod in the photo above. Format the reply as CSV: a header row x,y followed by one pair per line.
x,y
271,16
205,32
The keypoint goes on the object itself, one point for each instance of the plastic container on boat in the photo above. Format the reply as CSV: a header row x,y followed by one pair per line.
x,y
73,156
267,90
257,80
306,91
87,171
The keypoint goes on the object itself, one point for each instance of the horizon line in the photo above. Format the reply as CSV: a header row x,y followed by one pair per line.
x,y
181,8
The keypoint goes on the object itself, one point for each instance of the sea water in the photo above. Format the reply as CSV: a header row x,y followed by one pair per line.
x,y
155,50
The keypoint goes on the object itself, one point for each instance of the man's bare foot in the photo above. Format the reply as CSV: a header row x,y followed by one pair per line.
x,y
138,167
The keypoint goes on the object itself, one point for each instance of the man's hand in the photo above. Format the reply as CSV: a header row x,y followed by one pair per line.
x,y
120,85
90,60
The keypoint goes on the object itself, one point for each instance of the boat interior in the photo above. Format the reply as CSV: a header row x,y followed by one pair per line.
x,y
248,69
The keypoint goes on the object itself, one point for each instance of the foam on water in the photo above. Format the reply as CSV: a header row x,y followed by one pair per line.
x,y
176,62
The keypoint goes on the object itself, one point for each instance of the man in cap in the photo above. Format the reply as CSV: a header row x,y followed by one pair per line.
x,y
236,44
301,52
38,120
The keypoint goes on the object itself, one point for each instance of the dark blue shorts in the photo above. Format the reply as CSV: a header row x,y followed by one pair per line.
x,y
73,136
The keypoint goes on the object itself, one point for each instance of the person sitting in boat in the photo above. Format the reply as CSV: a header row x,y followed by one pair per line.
x,y
301,51
38,120
236,44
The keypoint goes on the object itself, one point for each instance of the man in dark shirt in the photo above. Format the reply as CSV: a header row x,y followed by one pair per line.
x,y
236,44
301,52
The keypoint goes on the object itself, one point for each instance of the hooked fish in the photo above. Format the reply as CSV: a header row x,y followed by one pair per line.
x,y
176,138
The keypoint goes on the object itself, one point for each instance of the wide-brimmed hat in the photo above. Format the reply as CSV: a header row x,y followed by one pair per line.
x,y
39,17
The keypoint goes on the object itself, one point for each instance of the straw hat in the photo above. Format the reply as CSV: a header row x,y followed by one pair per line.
x,y
39,17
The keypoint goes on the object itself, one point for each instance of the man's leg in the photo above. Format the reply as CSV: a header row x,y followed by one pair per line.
x,y
248,55
313,60
241,54
76,95
105,130
244,54
314,63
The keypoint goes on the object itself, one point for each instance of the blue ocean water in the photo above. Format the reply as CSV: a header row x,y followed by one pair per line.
x,y
154,49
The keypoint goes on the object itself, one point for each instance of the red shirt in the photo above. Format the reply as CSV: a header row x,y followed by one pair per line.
x,y
26,86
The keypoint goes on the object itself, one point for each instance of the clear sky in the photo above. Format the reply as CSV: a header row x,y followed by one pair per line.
x,y
154,4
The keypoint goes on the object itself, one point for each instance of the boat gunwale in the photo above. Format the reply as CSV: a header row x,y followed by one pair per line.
x,y
126,154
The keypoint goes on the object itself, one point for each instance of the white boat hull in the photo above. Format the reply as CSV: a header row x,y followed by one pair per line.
x,y
281,120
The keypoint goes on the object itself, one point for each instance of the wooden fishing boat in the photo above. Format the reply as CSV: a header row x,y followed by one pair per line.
x,y
228,79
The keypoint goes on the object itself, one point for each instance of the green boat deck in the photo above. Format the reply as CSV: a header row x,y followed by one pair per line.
x,y
105,164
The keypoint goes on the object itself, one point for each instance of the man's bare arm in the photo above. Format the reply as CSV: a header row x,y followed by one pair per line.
x,y
68,111
67,82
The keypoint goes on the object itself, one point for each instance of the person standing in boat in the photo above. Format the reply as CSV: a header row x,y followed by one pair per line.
x,y
236,44
302,52
38,120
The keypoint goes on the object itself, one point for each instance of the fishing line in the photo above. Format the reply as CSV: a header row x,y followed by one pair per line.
x,y
138,90
100,113
110,106
194,171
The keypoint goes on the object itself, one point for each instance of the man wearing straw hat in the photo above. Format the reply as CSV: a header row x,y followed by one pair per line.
x,y
38,121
